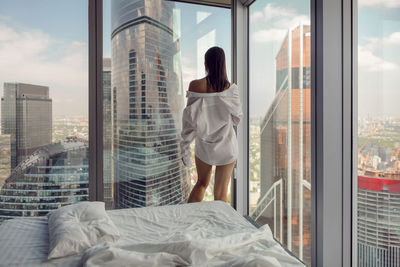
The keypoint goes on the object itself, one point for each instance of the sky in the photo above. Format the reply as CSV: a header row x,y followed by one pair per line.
x,y
378,52
45,42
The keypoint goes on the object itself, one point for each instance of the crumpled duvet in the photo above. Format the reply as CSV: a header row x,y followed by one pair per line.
x,y
248,248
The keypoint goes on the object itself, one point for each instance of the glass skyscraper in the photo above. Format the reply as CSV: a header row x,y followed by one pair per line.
x,y
26,115
107,135
147,104
53,176
285,147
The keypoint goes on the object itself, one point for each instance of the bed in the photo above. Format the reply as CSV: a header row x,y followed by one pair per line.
x,y
197,234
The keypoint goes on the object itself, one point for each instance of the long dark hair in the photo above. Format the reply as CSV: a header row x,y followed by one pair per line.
x,y
214,61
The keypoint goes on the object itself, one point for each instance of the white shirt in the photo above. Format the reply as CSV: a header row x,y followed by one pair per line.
x,y
209,118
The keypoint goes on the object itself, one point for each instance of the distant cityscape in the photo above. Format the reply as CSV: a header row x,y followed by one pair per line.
x,y
44,162
44,159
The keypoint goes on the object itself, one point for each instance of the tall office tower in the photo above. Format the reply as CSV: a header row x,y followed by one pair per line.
x,y
148,104
285,200
378,219
107,135
26,115
53,176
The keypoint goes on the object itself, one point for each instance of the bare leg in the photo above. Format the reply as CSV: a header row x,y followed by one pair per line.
x,y
223,175
204,175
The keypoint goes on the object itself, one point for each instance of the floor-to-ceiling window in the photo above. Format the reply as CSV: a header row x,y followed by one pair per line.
x,y
152,50
280,121
378,150
44,106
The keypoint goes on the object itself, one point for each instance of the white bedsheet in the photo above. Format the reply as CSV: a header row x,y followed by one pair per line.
x,y
207,233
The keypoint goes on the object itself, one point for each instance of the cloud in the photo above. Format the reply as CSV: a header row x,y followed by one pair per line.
x,y
369,62
188,73
392,39
256,16
272,11
279,19
266,36
379,3
32,56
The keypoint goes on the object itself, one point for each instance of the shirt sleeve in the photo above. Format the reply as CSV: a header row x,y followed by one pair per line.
x,y
237,112
188,134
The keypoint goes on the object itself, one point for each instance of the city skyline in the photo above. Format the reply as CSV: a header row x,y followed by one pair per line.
x,y
60,50
378,45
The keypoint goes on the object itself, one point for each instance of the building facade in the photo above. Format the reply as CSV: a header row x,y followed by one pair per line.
x,y
147,102
285,147
53,176
5,157
26,115
107,135
378,221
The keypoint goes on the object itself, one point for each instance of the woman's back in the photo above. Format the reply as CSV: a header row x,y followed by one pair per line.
x,y
209,119
213,109
201,86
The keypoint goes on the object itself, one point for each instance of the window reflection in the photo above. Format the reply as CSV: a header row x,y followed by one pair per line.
x,y
156,48
280,122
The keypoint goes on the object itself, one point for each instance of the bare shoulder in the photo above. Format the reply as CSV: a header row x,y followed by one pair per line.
x,y
198,86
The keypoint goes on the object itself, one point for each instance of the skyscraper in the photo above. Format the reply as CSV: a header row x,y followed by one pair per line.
x,y
147,104
107,135
285,200
26,115
378,220
53,176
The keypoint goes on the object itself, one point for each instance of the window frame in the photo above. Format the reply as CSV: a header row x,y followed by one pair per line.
x,y
333,120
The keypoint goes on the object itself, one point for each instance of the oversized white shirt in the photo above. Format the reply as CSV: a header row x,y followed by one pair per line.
x,y
209,118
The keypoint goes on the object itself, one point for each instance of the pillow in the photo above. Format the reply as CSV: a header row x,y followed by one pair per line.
x,y
76,227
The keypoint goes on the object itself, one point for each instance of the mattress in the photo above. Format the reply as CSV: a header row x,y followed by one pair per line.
x,y
24,241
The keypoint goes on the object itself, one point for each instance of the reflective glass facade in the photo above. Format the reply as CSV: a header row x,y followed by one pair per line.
x,y
280,127
53,176
148,103
107,135
27,117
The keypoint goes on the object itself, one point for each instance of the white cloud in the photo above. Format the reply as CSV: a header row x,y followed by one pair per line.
x,y
188,73
392,39
379,3
256,15
369,62
266,36
279,19
32,56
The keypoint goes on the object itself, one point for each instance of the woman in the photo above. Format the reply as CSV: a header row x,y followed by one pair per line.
x,y
213,109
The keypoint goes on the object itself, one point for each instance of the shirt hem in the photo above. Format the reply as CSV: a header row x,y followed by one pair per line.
x,y
216,163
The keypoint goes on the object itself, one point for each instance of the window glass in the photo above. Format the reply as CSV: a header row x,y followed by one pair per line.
x,y
378,195
152,50
280,121
44,106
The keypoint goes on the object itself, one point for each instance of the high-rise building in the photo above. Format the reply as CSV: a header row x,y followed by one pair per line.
x,y
26,115
147,103
53,176
107,135
285,147
378,220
